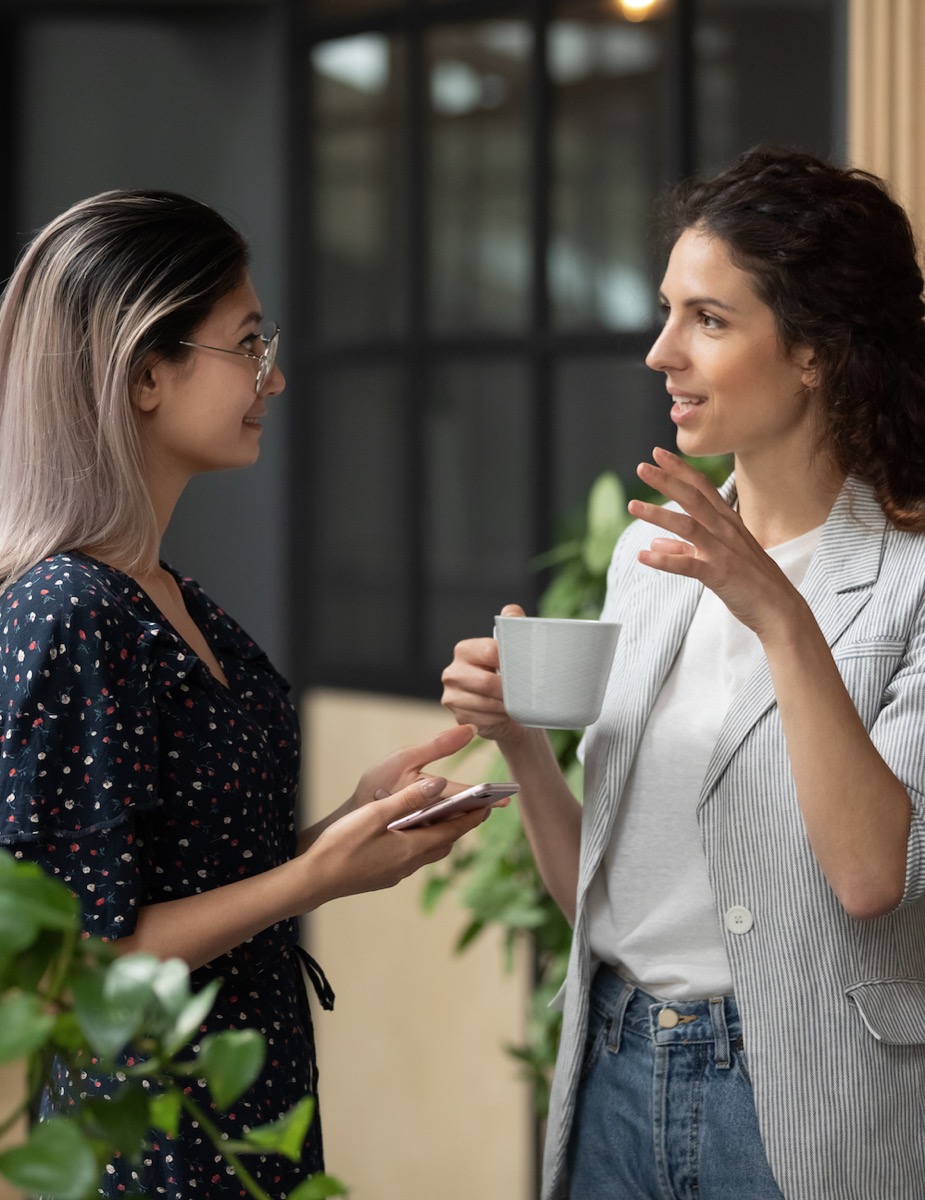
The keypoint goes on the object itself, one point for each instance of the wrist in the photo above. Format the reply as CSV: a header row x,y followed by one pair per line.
x,y
305,882
525,748
518,738
788,628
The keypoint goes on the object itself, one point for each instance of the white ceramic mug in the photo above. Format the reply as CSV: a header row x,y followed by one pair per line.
x,y
554,670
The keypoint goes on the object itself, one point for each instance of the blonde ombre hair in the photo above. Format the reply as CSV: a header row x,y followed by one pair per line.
x,y
113,280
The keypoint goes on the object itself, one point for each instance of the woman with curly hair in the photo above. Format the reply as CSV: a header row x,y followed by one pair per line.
x,y
744,1014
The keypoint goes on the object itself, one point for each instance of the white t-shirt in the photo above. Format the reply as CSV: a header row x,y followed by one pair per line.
x,y
651,908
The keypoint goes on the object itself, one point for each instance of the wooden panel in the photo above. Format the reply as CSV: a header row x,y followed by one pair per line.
x,y
418,1097
11,1092
886,96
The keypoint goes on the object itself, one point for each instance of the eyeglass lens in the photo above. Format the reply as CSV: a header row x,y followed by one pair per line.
x,y
270,336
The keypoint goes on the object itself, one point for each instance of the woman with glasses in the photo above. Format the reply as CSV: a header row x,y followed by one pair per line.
x,y
150,752
744,1013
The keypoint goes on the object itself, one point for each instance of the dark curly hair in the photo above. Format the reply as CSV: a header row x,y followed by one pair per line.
x,y
833,256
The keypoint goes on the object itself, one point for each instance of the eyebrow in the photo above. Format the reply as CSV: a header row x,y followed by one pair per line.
x,y
252,318
700,301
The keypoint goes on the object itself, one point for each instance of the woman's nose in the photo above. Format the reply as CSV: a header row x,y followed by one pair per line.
x,y
665,351
276,382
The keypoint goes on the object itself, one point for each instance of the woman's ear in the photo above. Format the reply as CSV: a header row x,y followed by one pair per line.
x,y
147,384
805,359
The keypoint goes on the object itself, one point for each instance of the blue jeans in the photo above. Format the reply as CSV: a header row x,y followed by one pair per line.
x,y
665,1107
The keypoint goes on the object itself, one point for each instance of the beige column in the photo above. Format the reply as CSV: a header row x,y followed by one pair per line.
x,y
12,1085
419,1099
886,96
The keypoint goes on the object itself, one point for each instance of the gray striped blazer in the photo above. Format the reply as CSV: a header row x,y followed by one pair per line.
x,y
833,1008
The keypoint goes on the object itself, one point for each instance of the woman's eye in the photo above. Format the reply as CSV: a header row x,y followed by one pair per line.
x,y
250,341
708,321
664,311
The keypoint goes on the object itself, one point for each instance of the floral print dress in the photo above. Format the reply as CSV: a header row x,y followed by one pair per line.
x,y
134,776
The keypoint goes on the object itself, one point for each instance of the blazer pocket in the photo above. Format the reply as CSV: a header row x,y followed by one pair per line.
x,y
874,647
892,1009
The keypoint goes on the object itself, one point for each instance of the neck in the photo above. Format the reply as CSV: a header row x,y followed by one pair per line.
x,y
164,493
782,500
165,487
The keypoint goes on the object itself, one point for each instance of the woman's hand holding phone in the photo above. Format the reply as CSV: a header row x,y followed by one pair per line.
x,y
358,852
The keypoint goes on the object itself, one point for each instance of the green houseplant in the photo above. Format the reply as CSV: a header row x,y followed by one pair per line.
x,y
497,882
67,996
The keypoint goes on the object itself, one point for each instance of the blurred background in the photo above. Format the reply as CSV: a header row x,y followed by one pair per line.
x,y
449,204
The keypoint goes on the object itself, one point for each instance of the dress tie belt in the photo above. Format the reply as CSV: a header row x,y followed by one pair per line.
x,y
319,980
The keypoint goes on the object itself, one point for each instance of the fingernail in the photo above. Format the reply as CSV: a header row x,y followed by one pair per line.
x,y
432,787
381,794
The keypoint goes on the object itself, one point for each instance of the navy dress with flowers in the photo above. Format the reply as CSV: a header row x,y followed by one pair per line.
x,y
134,776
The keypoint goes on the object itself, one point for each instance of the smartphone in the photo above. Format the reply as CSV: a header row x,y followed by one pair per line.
x,y
482,795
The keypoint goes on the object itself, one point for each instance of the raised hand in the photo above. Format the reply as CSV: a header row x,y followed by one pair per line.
x,y
715,546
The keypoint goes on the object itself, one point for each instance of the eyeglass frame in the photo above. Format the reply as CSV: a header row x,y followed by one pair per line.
x,y
266,361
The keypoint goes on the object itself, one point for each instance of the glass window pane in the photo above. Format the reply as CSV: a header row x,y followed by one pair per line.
x,y
359,510
359,203
477,541
743,97
609,157
609,413
479,248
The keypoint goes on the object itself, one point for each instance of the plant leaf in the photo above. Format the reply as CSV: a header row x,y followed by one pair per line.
x,y
607,518
171,986
165,1108
108,1022
287,1135
67,1033
189,1021
318,1187
25,1025
56,1160
48,903
230,1062
30,966
17,932
158,991
434,888
122,1123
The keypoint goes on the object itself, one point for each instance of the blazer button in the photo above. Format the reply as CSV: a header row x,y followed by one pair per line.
x,y
738,919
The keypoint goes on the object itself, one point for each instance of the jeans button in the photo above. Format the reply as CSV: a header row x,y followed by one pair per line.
x,y
668,1018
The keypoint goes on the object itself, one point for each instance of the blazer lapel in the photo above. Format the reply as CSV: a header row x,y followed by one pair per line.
x,y
837,586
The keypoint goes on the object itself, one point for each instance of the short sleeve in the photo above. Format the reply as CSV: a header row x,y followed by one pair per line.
x,y
79,753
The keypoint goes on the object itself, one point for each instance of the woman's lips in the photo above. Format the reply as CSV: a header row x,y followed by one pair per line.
x,y
684,404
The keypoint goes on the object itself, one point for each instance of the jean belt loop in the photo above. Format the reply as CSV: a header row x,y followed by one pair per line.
x,y
615,1034
720,1032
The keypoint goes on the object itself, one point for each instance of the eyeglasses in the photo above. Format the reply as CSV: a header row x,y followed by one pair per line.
x,y
269,335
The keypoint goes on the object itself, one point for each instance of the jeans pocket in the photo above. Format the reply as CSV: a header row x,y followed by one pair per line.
x,y
596,1036
741,1061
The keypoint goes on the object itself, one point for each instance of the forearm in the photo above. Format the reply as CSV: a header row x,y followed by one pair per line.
x,y
857,813
550,814
354,852
202,927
